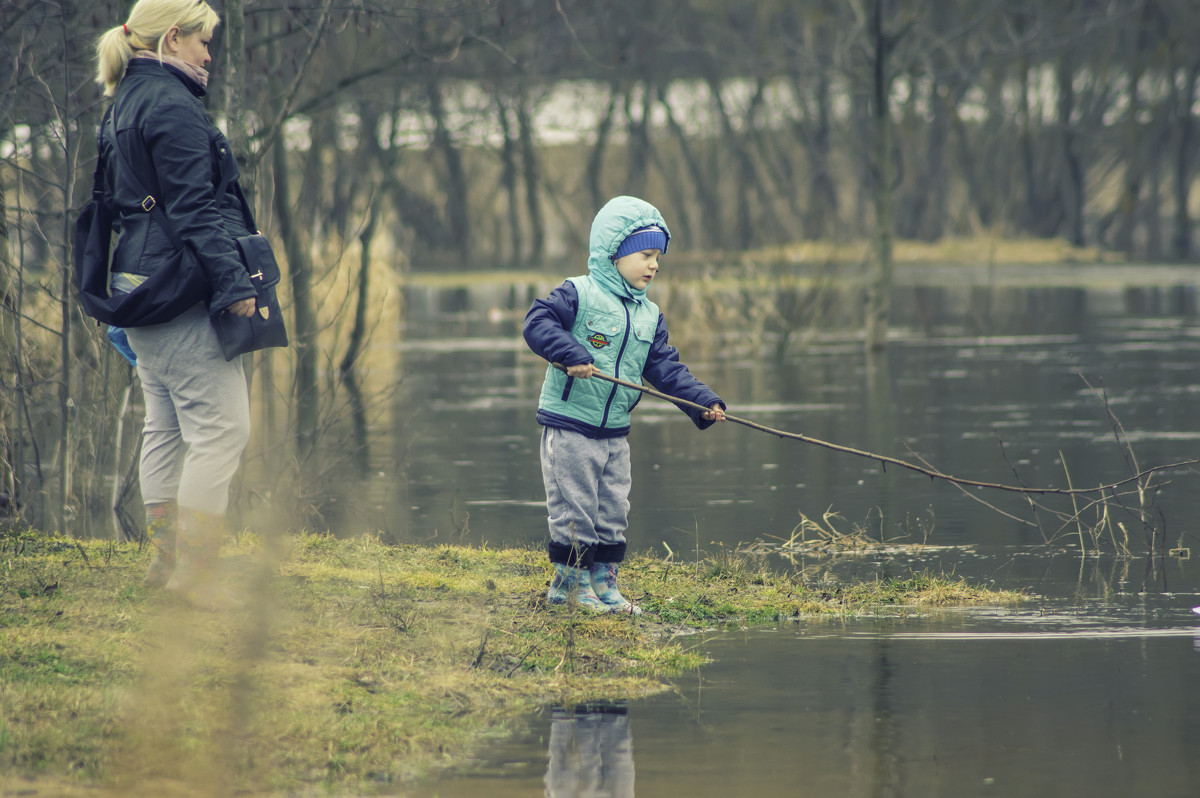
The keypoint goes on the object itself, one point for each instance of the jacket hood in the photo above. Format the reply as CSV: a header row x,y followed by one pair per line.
x,y
618,218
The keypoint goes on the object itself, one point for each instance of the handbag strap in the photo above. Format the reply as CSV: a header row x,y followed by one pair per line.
x,y
98,180
149,204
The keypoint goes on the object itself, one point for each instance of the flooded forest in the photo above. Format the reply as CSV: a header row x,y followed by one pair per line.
x,y
425,169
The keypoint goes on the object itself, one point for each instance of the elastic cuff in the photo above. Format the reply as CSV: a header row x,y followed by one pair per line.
x,y
573,556
610,552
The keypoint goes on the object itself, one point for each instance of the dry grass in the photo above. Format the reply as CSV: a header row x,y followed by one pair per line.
x,y
355,663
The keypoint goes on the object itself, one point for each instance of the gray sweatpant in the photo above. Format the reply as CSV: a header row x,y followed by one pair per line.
x,y
587,488
591,754
197,412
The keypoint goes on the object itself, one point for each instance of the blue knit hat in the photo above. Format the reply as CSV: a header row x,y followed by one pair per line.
x,y
652,237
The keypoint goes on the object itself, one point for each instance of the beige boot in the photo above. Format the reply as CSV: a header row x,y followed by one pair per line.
x,y
162,519
197,547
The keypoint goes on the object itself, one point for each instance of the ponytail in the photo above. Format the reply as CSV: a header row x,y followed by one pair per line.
x,y
113,52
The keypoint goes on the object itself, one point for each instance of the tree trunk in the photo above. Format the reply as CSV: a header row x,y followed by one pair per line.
x,y
638,146
766,226
1071,178
933,185
1181,241
304,323
974,160
747,175
458,215
704,195
533,176
1033,217
814,132
10,423
595,164
1134,171
879,291
508,177
347,374
234,79
66,404
813,129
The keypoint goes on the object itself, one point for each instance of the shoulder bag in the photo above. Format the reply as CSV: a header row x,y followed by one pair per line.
x,y
265,328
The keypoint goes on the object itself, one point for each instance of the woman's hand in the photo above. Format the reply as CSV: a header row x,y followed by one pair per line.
x,y
243,307
714,413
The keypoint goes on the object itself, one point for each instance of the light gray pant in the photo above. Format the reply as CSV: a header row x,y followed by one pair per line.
x,y
591,755
587,488
197,412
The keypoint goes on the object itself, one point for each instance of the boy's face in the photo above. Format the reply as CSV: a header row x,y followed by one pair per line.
x,y
639,268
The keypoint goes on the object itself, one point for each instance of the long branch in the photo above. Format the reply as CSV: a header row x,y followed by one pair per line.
x,y
883,459
285,107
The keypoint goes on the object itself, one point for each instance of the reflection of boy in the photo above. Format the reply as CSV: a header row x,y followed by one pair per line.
x,y
591,753
602,321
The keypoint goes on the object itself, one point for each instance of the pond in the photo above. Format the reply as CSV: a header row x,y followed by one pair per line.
x,y
1063,699
1013,384
1053,377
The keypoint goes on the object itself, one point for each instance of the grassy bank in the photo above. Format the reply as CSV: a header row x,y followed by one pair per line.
x,y
355,664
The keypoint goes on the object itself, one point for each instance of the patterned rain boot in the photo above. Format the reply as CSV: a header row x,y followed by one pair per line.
x,y
571,582
604,584
162,519
197,548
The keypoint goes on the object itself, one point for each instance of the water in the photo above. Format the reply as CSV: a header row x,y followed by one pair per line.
x,y
988,385
977,704
1088,688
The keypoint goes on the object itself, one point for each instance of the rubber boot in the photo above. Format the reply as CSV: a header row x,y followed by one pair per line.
x,y
162,520
604,584
197,546
574,583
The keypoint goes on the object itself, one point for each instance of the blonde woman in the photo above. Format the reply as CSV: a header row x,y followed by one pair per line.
x,y
171,181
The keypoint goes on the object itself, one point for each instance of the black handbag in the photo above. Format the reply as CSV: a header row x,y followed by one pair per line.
x,y
241,334
160,298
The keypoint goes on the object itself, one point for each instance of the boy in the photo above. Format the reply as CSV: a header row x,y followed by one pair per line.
x,y
602,321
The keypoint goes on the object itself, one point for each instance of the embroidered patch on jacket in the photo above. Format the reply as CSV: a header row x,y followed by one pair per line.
x,y
598,340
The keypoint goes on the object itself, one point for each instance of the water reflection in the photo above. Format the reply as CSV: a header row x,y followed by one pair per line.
x,y
591,752
1056,700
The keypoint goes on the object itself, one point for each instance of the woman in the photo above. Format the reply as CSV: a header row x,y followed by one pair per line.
x,y
160,144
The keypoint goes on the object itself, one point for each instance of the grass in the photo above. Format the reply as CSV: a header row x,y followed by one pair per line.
x,y
356,664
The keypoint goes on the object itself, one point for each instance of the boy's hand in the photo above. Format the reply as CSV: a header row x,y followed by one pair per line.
x,y
714,413
582,371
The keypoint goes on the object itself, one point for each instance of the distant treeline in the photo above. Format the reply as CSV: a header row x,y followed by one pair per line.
x,y
480,133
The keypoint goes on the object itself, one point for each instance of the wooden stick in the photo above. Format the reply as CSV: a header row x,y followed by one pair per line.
x,y
883,459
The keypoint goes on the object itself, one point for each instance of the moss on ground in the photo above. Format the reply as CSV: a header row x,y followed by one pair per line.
x,y
355,663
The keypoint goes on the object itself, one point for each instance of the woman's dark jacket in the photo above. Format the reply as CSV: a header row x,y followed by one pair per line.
x,y
180,158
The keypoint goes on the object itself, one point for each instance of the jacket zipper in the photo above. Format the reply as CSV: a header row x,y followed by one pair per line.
x,y
617,366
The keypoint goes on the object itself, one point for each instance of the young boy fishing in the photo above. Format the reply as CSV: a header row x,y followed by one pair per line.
x,y
603,322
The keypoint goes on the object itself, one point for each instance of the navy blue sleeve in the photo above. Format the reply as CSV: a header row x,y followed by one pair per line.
x,y
666,374
548,327
177,137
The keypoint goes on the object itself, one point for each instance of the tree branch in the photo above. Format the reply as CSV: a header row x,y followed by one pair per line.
x,y
885,460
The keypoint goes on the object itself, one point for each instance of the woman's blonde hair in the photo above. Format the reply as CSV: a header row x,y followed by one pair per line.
x,y
146,28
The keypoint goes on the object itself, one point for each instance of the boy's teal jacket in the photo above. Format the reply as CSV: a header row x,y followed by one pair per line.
x,y
599,318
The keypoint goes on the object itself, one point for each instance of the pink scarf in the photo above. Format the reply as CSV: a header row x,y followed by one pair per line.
x,y
198,74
